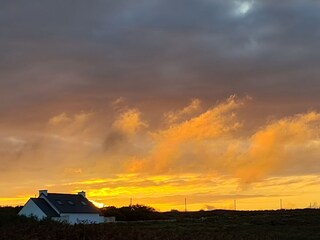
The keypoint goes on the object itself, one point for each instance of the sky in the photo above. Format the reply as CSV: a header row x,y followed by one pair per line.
x,y
161,100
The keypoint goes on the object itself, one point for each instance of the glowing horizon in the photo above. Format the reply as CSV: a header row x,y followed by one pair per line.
x,y
247,200
220,163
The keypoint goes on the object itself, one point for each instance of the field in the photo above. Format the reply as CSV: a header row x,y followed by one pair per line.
x,y
218,224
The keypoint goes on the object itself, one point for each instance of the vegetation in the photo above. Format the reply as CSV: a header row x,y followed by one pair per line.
x,y
132,213
218,224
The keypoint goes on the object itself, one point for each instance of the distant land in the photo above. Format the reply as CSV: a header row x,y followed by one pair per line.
x,y
174,225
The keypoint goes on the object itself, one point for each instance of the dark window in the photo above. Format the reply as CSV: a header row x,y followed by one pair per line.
x,y
83,203
59,202
71,203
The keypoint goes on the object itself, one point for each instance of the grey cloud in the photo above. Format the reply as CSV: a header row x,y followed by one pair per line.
x,y
114,140
86,52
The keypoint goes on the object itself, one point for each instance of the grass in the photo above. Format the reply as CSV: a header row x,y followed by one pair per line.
x,y
218,224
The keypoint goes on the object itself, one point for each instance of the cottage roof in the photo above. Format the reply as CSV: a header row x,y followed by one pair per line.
x,y
70,203
45,207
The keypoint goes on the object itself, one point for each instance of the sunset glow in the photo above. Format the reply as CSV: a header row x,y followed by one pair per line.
x,y
214,103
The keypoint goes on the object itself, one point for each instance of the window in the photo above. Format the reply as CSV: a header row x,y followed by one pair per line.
x,y
59,202
71,203
83,203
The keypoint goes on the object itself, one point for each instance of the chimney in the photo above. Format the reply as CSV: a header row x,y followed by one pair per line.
x,y
82,193
44,192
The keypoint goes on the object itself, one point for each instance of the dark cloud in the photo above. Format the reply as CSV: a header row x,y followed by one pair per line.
x,y
114,140
78,54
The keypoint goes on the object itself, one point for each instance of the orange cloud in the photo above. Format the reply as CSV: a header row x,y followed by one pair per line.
x,y
59,119
71,125
129,122
202,152
172,147
210,142
174,116
281,145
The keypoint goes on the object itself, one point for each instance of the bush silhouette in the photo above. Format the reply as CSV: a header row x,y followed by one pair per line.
x,y
132,213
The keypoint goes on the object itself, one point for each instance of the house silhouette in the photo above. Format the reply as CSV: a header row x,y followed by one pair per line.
x,y
69,208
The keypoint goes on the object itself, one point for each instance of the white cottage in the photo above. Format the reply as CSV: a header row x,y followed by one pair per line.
x,y
70,208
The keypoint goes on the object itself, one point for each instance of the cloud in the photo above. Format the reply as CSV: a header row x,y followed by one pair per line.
x,y
62,118
172,117
115,140
243,7
180,147
146,51
70,126
214,142
281,147
119,103
209,153
129,122
62,72
126,132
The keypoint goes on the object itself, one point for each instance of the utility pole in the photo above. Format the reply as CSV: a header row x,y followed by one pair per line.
x,y
185,204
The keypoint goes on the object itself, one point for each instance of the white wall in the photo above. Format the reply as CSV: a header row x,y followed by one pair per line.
x,y
109,219
74,218
31,209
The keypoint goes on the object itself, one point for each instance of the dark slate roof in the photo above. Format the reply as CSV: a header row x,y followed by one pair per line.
x,y
45,207
71,203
